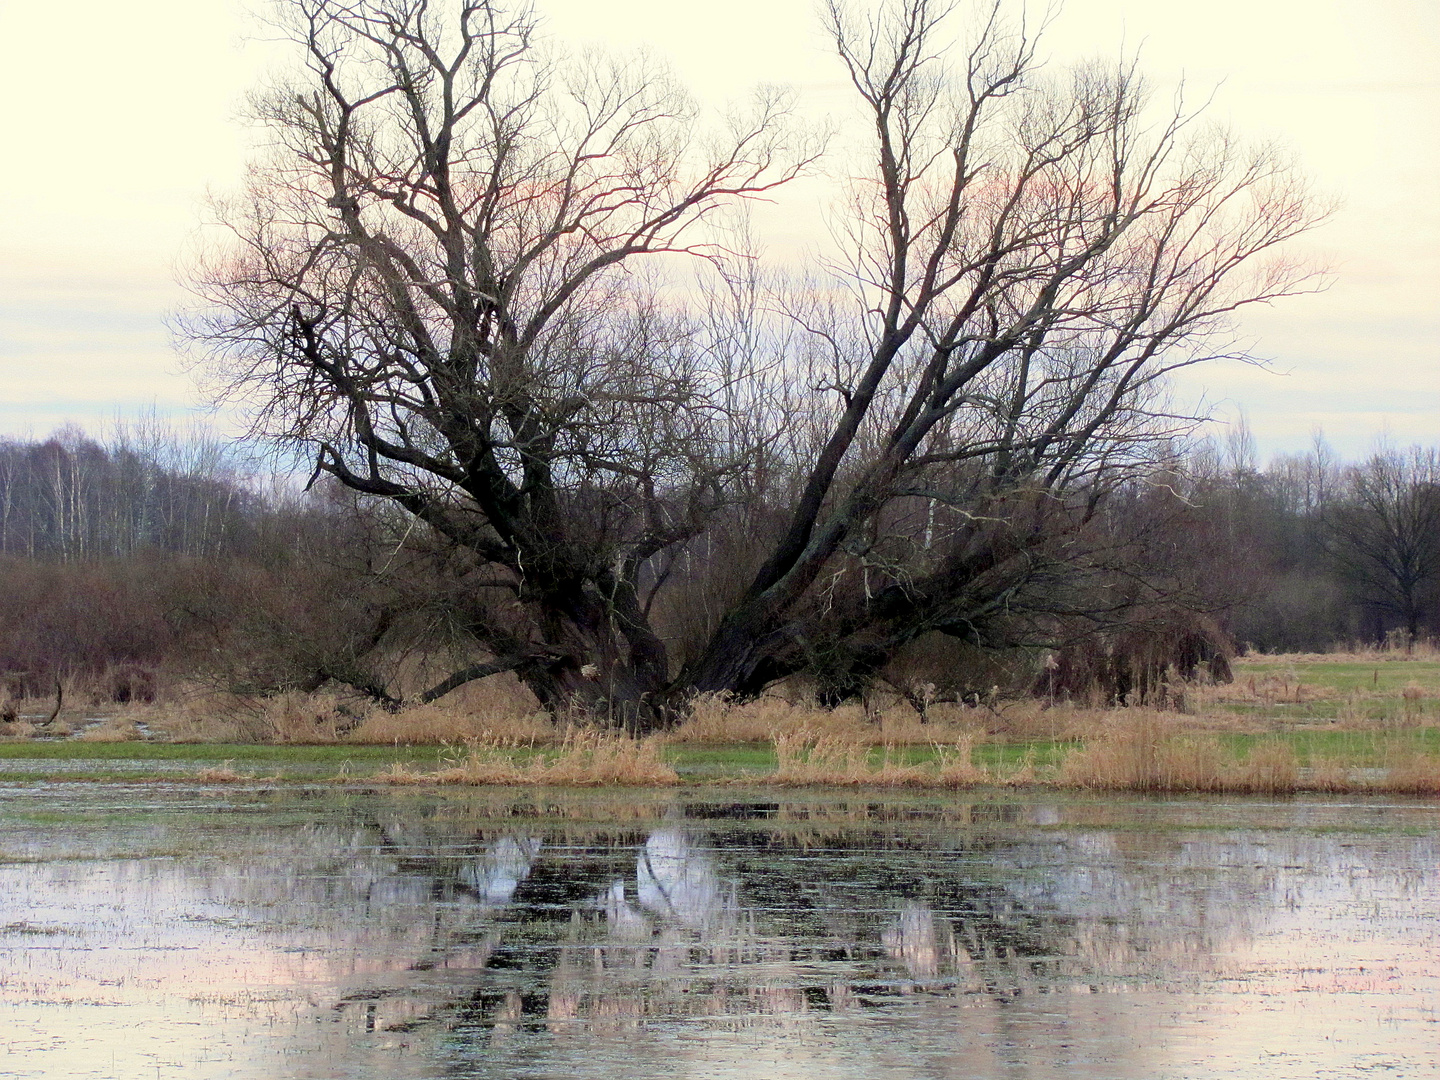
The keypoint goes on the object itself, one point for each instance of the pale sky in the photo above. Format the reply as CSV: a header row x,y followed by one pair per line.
x,y
121,116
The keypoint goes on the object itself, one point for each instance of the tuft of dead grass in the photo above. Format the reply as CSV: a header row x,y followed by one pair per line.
x,y
1416,775
444,722
828,760
717,720
1270,769
115,729
1144,753
220,774
197,714
303,718
583,759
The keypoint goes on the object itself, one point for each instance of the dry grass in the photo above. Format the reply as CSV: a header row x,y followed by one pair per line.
x,y
1417,775
116,729
1360,652
1143,753
194,714
1270,688
504,740
715,720
583,759
205,716
885,721
191,714
221,774
805,760
1395,649
443,722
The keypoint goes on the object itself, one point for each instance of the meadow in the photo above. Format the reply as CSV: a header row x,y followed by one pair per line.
x,y
1338,722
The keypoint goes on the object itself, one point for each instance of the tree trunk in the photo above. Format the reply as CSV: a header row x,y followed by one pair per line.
x,y
742,657
602,665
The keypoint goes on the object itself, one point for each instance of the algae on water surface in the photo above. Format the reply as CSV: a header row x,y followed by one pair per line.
x,y
248,933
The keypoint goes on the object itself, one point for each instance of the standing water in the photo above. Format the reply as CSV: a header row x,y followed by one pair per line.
x,y
302,933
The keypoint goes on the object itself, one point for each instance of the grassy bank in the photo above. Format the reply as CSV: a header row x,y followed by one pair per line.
x,y
1142,755
1349,723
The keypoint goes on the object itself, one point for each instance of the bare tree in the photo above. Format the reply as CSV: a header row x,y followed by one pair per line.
x,y
1383,532
431,290
1031,257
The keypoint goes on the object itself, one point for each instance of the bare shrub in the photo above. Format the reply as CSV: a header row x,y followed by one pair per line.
x,y
938,669
130,682
1144,661
59,620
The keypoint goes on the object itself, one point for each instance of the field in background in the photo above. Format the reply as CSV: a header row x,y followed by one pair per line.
x,y
1326,722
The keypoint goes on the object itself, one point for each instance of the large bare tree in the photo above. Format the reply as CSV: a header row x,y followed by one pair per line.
x,y
432,290
1031,256
433,287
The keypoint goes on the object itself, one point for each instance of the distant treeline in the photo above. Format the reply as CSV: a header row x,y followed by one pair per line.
x,y
154,550
1312,552
70,498
151,551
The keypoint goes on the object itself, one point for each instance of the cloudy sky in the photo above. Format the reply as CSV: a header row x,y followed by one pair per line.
x,y
120,117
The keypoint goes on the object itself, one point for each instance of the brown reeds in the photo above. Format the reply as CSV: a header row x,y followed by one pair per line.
x,y
447,722
116,729
804,760
1146,754
583,759
221,774
1414,775
717,720
198,714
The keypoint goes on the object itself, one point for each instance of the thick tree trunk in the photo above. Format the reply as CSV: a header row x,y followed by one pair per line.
x,y
602,666
742,657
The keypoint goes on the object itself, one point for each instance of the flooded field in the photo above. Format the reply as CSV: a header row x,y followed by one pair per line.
x,y
157,931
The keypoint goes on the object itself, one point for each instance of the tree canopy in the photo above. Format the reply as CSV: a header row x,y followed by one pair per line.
x,y
435,287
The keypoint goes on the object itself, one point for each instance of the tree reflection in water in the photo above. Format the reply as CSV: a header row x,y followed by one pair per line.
x,y
453,939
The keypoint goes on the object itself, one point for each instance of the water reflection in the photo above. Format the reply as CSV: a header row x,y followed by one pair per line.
x,y
384,936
